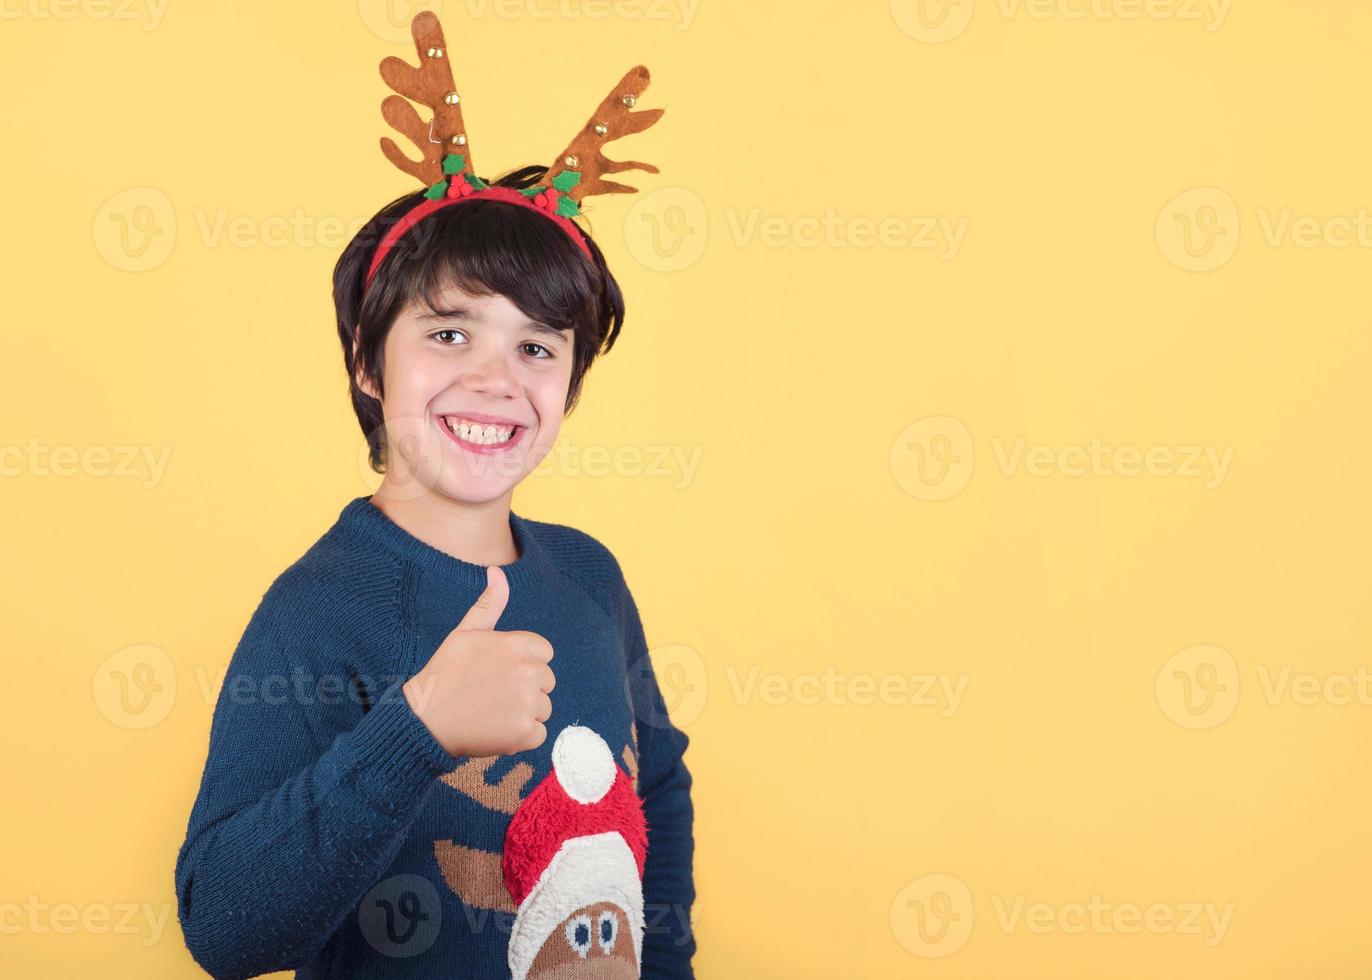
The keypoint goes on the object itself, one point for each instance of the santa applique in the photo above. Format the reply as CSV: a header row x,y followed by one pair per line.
x,y
572,865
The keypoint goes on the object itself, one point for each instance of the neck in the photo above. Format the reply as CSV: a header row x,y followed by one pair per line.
x,y
475,532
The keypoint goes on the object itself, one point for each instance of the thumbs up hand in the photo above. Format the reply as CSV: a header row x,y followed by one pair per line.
x,y
485,691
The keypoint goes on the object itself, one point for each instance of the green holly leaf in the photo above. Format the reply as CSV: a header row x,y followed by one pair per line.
x,y
533,191
567,207
437,190
453,163
566,180
477,182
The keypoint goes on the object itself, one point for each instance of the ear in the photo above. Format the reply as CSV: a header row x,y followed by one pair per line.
x,y
362,382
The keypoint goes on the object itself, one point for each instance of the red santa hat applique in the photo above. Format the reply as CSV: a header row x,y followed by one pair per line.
x,y
573,863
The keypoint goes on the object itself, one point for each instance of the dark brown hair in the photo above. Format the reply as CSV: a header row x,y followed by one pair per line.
x,y
485,248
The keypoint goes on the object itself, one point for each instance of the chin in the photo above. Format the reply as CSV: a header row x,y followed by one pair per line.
x,y
473,491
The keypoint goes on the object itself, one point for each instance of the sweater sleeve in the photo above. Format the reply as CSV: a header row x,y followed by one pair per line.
x,y
286,837
665,787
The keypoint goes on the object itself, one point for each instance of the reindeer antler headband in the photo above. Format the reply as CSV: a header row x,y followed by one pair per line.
x,y
446,167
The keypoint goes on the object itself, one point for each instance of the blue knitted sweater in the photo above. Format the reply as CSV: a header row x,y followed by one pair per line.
x,y
333,834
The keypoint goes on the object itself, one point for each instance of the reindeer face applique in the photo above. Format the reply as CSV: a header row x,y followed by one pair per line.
x,y
572,866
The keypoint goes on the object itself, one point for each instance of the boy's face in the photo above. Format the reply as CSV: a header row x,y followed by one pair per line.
x,y
474,396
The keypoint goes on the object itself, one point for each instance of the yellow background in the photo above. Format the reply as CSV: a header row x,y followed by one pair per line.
x,y
835,838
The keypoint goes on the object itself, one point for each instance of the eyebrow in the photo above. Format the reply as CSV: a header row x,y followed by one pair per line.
x,y
464,314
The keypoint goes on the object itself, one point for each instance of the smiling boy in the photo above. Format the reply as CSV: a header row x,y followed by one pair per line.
x,y
475,774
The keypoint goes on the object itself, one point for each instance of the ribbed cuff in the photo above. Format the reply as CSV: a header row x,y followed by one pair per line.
x,y
397,755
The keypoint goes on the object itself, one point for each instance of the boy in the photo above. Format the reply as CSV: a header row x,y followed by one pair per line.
x,y
440,748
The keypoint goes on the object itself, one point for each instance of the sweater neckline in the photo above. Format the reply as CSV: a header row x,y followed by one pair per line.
x,y
364,516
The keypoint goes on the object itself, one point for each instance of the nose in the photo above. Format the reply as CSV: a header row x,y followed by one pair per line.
x,y
491,375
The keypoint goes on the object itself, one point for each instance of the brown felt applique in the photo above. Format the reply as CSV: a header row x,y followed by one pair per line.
x,y
445,163
575,173
475,876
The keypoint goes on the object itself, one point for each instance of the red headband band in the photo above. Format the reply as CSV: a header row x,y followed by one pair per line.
x,y
544,202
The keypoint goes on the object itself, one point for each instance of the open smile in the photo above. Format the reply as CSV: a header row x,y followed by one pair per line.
x,y
479,436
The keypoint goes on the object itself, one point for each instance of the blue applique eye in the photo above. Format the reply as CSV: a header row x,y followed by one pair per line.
x,y
609,928
579,934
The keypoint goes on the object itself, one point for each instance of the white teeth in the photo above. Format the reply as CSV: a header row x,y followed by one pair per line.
x,y
475,432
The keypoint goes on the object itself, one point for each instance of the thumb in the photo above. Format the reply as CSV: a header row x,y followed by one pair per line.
x,y
485,612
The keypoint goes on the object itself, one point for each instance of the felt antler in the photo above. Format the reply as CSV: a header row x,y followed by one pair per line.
x,y
476,876
469,779
431,84
445,166
583,161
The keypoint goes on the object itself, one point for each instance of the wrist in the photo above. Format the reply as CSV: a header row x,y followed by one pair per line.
x,y
416,691
419,691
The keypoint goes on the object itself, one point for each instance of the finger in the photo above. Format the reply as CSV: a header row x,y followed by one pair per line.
x,y
544,711
546,680
485,612
538,736
538,647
